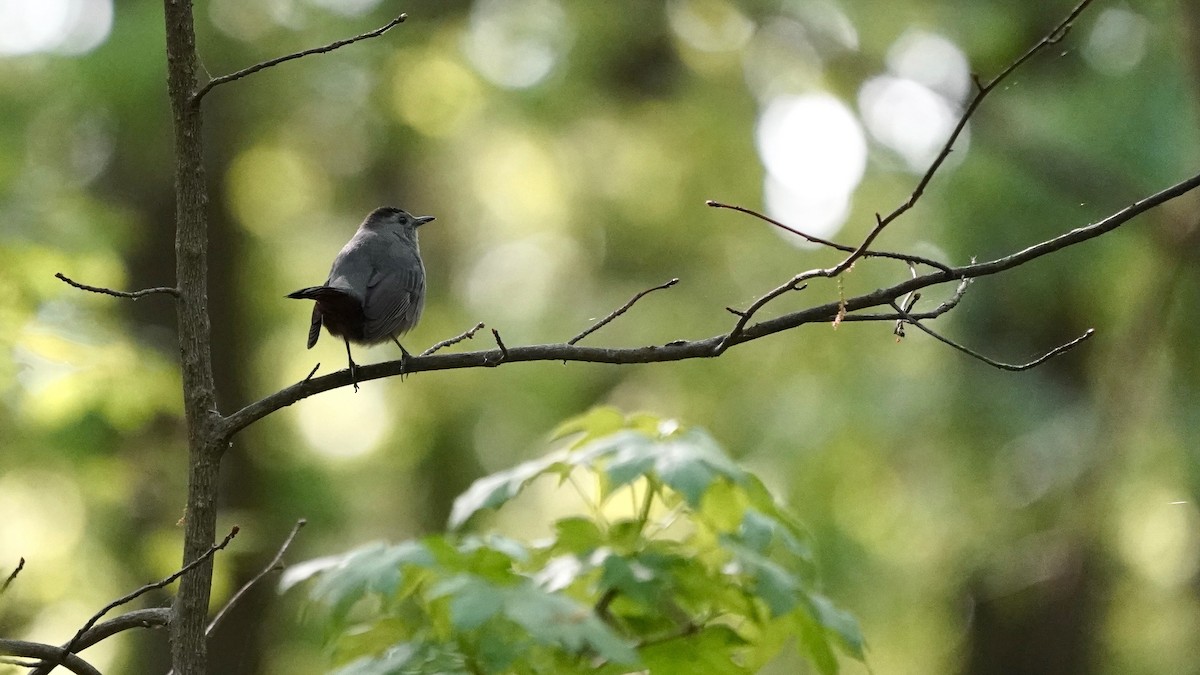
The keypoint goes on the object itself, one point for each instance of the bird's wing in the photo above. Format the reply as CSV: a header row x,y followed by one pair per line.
x,y
394,301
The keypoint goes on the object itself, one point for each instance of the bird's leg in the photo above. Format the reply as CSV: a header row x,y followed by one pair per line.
x,y
353,365
404,357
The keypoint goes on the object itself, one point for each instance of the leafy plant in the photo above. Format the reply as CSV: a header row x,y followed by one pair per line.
x,y
682,562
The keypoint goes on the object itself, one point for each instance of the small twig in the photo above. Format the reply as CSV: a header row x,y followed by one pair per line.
x,y
311,373
1016,368
12,577
793,284
500,344
217,81
621,310
271,567
454,340
45,652
825,242
134,295
73,644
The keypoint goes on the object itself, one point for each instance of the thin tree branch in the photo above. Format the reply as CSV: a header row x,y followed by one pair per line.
x,y
73,644
825,242
982,90
454,340
705,348
271,567
134,295
38,650
620,310
223,79
12,577
153,617
992,362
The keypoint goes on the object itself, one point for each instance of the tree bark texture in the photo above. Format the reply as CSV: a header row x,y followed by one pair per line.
x,y
188,652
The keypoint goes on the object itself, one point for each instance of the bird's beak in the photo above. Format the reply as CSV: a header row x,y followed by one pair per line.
x,y
421,220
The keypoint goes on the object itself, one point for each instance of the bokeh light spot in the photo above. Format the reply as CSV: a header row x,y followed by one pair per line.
x,y
931,60
910,119
709,25
61,26
435,95
346,424
271,187
516,43
1117,42
815,154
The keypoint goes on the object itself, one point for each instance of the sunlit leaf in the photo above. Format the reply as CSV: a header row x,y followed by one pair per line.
x,y
496,489
375,569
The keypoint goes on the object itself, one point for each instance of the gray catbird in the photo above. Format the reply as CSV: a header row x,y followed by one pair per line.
x,y
376,287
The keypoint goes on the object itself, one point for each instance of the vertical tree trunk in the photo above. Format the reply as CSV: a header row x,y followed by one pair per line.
x,y
188,653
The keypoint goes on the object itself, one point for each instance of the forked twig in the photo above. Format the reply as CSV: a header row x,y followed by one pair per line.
x,y
825,242
73,644
1016,368
983,89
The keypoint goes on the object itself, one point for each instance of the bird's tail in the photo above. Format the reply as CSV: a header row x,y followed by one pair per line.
x,y
336,301
317,293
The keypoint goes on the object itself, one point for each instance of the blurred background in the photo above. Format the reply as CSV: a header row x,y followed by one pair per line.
x,y
976,521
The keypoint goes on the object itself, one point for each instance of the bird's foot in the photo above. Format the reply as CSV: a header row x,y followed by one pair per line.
x,y
354,375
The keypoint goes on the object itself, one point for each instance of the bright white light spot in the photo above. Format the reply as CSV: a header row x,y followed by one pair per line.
x,y
815,155
909,118
931,60
811,212
347,424
709,25
62,26
516,43
34,525
1117,42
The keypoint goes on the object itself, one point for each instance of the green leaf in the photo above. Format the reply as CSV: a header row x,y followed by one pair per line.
x,y
577,535
556,619
723,506
496,489
841,623
396,660
473,603
710,651
597,422
375,569
815,645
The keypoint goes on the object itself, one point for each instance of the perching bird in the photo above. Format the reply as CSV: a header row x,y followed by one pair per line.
x,y
376,287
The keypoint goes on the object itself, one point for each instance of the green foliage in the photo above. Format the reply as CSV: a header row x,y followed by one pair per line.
x,y
684,562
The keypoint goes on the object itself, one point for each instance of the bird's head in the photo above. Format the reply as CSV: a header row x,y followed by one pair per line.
x,y
394,219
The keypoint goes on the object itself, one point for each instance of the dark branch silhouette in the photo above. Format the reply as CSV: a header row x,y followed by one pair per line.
x,y
12,577
231,77
133,295
74,644
713,346
620,310
38,650
467,335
